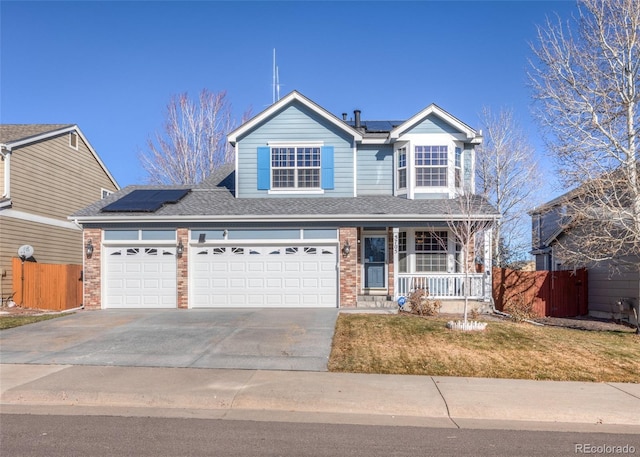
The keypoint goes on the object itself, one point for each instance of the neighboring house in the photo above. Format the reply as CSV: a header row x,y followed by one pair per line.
x,y
612,284
316,211
47,173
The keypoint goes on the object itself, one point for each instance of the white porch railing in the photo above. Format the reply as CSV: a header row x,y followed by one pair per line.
x,y
445,285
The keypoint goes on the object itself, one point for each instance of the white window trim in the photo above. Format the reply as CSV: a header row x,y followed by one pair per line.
x,y
76,136
298,190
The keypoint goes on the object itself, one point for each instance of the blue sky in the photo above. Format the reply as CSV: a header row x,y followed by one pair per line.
x,y
111,67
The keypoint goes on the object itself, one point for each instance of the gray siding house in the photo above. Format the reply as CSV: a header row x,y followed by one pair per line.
x,y
613,285
316,211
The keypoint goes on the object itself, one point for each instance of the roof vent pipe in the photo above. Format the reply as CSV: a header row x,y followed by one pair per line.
x,y
344,116
356,114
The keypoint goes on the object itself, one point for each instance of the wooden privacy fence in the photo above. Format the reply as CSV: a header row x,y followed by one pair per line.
x,y
552,293
47,286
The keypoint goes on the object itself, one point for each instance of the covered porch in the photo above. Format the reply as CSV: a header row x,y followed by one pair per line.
x,y
393,262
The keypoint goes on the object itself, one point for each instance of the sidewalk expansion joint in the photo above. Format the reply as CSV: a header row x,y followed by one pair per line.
x,y
445,402
622,390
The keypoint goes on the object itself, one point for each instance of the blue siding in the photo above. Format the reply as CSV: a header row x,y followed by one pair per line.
x,y
432,124
375,170
295,123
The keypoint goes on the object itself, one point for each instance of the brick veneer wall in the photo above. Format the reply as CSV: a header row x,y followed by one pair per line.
x,y
348,268
183,269
92,296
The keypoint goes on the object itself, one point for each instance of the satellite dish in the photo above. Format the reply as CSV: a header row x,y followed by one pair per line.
x,y
25,251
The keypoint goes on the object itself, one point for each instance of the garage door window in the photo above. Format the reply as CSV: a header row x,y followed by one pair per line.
x,y
139,235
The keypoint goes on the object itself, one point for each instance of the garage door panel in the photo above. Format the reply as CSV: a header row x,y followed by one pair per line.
x,y
264,276
140,277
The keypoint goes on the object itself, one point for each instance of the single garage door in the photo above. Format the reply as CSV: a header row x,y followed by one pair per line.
x,y
264,276
140,277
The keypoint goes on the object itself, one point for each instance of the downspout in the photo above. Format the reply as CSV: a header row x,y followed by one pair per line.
x,y
5,152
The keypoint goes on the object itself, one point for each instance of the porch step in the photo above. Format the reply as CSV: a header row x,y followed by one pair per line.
x,y
375,301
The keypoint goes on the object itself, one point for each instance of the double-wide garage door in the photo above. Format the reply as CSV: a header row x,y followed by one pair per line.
x,y
263,276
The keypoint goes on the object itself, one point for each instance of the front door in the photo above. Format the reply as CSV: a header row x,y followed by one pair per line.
x,y
375,261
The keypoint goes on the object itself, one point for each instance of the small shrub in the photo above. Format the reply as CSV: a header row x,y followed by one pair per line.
x,y
420,303
520,309
474,314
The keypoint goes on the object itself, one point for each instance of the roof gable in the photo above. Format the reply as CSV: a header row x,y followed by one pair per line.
x,y
284,102
17,135
434,110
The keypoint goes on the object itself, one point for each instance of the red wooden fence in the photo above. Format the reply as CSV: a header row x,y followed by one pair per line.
x,y
552,293
47,286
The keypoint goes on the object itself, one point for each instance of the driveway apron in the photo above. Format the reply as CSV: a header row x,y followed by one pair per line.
x,y
264,339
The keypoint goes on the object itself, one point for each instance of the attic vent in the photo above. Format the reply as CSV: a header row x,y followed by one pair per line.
x,y
73,140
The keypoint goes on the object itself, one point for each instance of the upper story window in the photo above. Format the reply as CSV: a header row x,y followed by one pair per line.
x,y
431,166
402,168
105,193
295,167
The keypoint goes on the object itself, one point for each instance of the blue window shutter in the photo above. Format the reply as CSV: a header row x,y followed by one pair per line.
x,y
264,168
327,167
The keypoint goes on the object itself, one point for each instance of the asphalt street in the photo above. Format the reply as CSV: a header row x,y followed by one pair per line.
x,y
58,436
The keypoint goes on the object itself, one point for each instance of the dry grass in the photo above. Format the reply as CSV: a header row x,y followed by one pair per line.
x,y
403,344
11,321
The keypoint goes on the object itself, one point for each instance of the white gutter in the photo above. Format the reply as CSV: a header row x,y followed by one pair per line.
x,y
281,218
5,151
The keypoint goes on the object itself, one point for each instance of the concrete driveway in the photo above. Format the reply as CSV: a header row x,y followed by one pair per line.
x,y
263,339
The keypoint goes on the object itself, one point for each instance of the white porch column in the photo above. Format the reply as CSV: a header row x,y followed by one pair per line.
x,y
396,244
488,264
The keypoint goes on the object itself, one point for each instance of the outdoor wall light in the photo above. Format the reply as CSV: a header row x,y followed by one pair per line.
x,y
179,249
88,249
346,249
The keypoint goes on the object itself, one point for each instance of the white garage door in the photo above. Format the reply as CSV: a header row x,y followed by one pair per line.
x,y
264,276
140,277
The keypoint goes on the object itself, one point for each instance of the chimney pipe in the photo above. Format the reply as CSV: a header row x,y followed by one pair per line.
x,y
356,113
344,116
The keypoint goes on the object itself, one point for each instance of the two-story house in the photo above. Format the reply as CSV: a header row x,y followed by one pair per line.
x,y
47,172
316,211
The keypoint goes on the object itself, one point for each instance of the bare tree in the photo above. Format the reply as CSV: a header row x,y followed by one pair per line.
x,y
470,224
507,172
193,141
586,82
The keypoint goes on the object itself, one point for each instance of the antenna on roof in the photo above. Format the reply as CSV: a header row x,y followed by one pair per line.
x,y
276,79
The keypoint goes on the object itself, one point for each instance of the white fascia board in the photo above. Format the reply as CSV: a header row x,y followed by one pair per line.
x,y
470,133
292,96
283,218
21,215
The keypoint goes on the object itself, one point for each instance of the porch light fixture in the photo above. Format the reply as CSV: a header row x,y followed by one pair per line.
x,y
88,249
179,249
346,249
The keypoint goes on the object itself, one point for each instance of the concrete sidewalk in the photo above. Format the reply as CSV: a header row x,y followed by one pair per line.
x,y
320,397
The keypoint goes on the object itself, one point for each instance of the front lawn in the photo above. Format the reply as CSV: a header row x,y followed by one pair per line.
x,y
406,344
16,320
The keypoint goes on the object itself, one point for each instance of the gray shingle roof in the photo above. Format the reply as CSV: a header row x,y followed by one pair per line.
x,y
212,198
14,132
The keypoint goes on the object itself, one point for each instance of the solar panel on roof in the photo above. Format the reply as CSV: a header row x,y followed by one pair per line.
x,y
146,200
